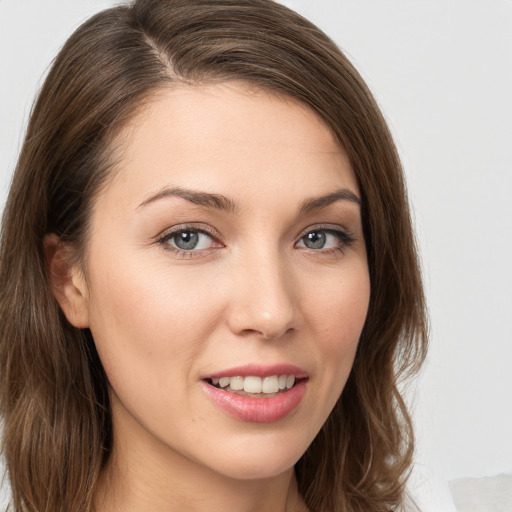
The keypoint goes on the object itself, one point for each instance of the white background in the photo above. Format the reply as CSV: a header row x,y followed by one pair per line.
x,y
442,73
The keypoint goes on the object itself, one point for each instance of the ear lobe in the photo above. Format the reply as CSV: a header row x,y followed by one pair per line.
x,y
67,281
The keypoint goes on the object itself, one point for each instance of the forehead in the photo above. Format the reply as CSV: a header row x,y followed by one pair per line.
x,y
214,136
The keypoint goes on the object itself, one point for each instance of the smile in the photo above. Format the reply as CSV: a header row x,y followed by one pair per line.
x,y
257,394
252,385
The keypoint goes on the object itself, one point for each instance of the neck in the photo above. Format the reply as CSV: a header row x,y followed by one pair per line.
x,y
138,494
145,475
145,488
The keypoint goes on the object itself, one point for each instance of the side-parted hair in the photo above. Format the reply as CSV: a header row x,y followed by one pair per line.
x,y
54,401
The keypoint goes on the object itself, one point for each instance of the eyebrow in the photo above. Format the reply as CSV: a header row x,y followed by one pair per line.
x,y
220,202
318,203
216,201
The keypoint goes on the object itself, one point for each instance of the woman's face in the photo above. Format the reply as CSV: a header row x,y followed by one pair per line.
x,y
227,252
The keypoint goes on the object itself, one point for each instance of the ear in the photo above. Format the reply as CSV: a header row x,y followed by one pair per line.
x,y
67,281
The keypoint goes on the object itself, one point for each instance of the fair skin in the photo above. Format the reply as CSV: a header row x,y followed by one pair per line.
x,y
180,288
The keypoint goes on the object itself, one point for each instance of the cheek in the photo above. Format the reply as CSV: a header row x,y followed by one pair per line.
x,y
337,317
340,310
149,325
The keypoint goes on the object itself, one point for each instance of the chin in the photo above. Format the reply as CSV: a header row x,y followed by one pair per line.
x,y
258,460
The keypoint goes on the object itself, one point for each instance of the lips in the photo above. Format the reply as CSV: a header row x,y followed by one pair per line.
x,y
255,393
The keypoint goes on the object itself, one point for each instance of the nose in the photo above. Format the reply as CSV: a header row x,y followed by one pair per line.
x,y
264,301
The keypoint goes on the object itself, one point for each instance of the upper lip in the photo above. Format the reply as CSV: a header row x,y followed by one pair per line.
x,y
259,371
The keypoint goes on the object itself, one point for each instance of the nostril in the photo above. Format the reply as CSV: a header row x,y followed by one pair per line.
x,y
278,333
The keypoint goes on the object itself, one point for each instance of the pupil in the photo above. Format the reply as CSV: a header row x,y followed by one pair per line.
x,y
315,240
186,240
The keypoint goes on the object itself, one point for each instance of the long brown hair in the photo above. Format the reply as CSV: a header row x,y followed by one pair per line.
x,y
54,394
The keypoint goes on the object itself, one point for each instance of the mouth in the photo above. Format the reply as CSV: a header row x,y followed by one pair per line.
x,y
254,386
258,394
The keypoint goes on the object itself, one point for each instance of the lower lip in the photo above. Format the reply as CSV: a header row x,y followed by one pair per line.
x,y
257,410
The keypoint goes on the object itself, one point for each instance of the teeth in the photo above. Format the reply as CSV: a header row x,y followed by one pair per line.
x,y
270,384
255,384
236,383
224,381
252,384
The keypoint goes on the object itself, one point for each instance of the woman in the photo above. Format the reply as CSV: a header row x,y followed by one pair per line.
x,y
209,284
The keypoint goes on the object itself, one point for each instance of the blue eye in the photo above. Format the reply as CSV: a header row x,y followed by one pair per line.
x,y
188,240
315,240
325,239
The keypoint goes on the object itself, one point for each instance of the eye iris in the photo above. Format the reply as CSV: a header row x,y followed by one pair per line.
x,y
315,240
186,240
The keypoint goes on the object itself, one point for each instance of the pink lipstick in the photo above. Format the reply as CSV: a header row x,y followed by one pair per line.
x,y
255,393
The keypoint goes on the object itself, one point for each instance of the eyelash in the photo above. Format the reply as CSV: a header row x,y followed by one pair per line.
x,y
184,254
345,239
